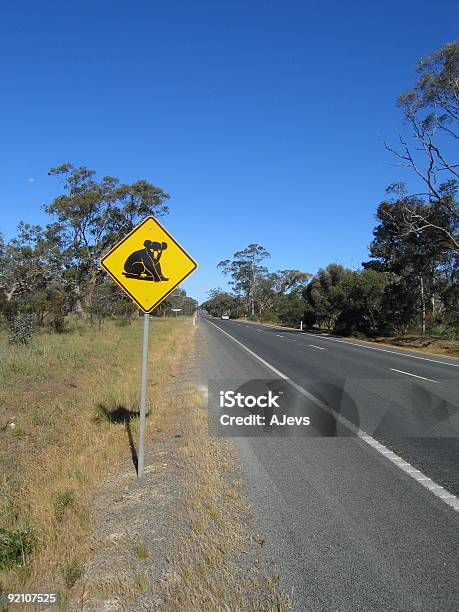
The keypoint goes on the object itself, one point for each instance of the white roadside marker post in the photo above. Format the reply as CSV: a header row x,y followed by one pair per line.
x,y
143,398
301,325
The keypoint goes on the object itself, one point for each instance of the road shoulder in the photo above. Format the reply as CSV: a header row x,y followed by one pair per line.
x,y
184,538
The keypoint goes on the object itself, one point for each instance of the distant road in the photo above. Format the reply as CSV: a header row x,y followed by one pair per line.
x,y
356,522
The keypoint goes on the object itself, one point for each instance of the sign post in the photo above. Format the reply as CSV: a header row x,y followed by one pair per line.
x,y
143,397
134,264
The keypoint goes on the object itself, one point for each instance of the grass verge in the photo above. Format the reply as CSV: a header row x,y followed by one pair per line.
x,y
184,538
65,403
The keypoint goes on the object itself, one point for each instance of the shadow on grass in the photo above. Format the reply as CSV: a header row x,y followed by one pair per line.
x,y
121,415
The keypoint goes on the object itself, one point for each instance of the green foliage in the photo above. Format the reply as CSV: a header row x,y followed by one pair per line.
x,y
321,295
285,281
290,307
246,272
309,316
141,552
221,302
398,306
123,321
72,572
141,583
436,90
258,293
359,295
21,327
25,263
15,545
346,301
50,304
177,299
108,302
63,502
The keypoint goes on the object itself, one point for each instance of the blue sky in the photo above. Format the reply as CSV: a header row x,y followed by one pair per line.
x,y
264,120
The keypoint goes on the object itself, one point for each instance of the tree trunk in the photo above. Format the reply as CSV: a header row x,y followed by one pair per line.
x,y
78,308
9,294
423,306
90,288
253,289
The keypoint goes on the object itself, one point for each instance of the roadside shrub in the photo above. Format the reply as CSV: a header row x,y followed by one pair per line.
x,y
100,415
71,573
59,324
353,322
141,552
309,317
21,327
64,501
444,331
123,322
15,545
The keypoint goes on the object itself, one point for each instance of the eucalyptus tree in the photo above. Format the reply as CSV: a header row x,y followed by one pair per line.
x,y
246,270
92,215
431,112
322,302
417,236
221,302
25,264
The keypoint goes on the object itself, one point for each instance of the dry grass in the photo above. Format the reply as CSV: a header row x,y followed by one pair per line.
x,y
58,440
215,565
185,540
421,344
60,397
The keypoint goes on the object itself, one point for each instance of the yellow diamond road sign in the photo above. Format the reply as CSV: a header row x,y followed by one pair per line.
x,y
148,264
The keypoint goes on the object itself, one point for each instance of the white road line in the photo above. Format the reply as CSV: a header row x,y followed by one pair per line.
x,y
422,479
415,375
377,348
258,329
279,336
321,348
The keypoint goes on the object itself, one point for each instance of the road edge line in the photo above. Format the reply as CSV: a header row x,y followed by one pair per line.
x,y
383,350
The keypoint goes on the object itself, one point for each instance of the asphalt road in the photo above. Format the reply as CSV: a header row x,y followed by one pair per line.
x,y
351,525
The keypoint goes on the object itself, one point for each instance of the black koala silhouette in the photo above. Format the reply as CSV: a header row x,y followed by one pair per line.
x,y
144,264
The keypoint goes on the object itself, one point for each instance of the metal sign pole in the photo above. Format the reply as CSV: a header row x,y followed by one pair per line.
x,y
143,398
